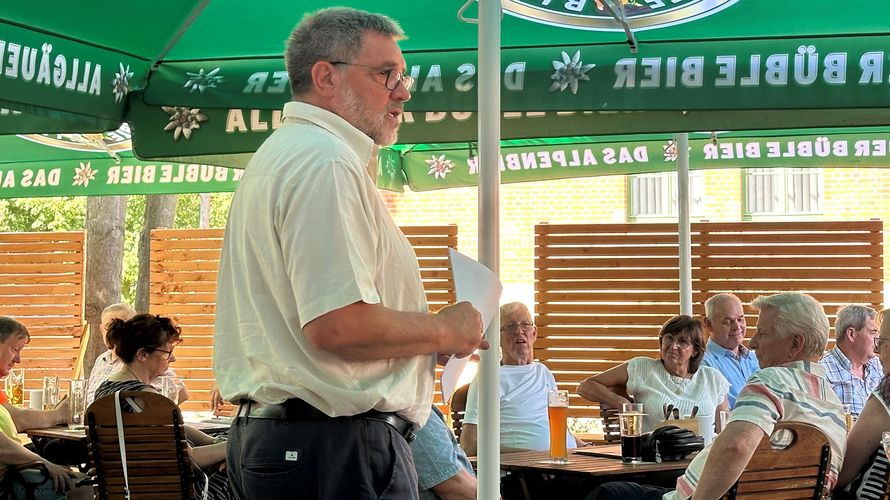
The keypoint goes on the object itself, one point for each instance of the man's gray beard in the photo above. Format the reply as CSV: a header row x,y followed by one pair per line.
x,y
374,127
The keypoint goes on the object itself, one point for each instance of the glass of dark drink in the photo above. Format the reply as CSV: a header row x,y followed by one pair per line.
x,y
630,421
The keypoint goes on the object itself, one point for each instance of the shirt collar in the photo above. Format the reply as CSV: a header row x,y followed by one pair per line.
x,y
841,358
719,350
808,366
362,145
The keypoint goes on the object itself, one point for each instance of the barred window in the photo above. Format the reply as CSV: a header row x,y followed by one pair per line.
x,y
776,191
655,194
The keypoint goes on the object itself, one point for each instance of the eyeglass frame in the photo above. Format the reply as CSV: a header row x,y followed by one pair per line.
x,y
405,79
878,341
168,353
525,326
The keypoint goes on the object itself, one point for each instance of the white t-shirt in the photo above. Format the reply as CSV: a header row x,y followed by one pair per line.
x,y
651,384
309,233
523,394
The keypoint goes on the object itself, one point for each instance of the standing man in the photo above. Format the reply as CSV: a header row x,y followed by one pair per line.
x,y
725,319
853,368
322,329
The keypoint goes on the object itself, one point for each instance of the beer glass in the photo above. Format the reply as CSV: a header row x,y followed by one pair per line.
x,y
76,403
630,422
848,417
50,392
558,412
169,387
15,386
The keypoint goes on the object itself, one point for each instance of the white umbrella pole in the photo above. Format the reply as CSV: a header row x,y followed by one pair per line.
x,y
682,142
489,460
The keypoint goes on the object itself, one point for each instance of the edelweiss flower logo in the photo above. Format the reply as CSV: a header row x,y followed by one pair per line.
x,y
569,72
120,86
83,175
439,167
183,121
203,80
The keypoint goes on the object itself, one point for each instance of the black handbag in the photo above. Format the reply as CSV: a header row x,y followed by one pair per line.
x,y
670,443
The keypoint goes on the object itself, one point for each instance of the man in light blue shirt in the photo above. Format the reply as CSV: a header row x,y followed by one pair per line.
x,y
725,320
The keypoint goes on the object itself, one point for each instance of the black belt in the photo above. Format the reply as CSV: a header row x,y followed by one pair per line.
x,y
297,409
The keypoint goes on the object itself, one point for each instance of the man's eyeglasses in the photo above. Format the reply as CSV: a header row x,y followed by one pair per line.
x,y
526,326
393,76
169,354
878,341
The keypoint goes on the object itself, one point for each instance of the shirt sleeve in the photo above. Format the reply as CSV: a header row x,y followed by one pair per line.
x,y
758,404
471,416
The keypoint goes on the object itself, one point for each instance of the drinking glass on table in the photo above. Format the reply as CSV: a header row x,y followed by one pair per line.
x,y
77,392
630,422
15,386
557,413
50,392
169,387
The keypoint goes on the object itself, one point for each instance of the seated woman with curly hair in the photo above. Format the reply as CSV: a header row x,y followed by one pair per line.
x,y
145,344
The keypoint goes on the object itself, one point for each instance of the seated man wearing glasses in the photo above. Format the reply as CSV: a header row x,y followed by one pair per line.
x,y
523,389
852,367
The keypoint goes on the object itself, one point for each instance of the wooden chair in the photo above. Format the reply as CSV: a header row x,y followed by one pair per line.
x,y
797,470
158,464
458,409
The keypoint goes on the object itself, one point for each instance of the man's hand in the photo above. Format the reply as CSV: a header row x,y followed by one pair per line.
x,y
63,478
465,324
215,399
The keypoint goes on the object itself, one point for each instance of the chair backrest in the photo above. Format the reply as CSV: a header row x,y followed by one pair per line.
x,y
459,408
158,465
795,469
609,415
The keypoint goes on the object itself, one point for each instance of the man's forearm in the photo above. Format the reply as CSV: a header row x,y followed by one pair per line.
x,y
461,486
26,418
727,459
364,332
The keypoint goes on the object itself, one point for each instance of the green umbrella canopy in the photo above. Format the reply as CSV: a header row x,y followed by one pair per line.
x,y
98,164
219,82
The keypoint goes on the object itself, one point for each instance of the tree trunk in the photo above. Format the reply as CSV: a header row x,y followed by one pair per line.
x,y
205,211
105,228
160,211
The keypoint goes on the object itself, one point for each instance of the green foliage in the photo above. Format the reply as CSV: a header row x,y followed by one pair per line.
x,y
43,214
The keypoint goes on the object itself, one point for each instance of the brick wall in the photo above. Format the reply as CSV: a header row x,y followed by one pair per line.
x,y
849,194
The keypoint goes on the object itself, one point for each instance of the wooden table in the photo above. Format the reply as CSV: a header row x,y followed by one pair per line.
x,y
60,432
583,472
536,461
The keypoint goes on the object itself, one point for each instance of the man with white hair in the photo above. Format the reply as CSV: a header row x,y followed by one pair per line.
x,y
792,331
852,367
725,351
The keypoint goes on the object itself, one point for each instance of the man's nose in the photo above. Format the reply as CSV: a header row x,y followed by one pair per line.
x,y
401,93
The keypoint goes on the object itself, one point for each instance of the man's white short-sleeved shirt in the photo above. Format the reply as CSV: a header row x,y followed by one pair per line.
x,y
308,233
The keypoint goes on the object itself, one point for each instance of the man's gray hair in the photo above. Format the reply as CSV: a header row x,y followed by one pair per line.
x,y
510,307
715,300
799,314
851,315
333,34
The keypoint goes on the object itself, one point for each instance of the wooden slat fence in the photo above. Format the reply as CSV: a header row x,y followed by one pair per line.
x,y
602,291
184,265
41,286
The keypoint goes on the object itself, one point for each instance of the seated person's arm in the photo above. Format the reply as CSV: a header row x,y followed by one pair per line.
x,y
863,439
461,486
207,455
727,458
468,438
607,387
26,419
13,453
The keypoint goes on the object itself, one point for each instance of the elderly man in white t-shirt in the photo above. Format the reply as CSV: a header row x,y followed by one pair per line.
x,y
523,389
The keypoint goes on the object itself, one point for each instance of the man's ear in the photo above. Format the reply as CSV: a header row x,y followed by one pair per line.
x,y
797,345
325,78
708,324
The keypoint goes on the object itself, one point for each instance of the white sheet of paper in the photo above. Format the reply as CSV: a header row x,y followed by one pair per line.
x,y
477,284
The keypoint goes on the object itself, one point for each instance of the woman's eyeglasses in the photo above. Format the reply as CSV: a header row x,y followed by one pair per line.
x,y
168,354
